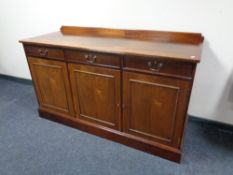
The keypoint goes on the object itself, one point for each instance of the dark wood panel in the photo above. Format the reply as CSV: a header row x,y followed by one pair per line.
x,y
44,52
93,58
155,65
51,83
96,94
152,107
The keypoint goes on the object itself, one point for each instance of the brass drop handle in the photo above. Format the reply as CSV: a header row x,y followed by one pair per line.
x,y
155,65
90,58
43,52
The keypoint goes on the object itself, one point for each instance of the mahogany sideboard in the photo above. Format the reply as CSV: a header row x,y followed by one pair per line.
x,y
129,86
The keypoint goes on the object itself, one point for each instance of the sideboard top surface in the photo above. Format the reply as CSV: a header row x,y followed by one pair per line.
x,y
168,45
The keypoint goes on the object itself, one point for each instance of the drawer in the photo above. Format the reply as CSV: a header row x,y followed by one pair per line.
x,y
45,52
159,66
101,59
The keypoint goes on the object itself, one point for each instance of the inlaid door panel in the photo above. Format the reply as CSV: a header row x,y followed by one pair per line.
x,y
153,107
96,94
52,85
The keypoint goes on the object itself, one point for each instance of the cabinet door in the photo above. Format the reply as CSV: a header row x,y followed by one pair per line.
x,y
155,107
51,83
96,93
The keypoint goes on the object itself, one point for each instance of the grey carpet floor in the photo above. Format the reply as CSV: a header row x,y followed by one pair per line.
x,y
30,145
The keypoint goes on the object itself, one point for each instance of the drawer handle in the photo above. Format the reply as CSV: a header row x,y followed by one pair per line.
x,y
155,66
43,52
90,58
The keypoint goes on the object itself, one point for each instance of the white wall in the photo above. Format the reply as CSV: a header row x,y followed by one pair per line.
x,y
212,95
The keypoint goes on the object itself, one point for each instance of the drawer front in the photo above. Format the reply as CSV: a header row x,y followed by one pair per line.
x,y
101,59
45,52
159,66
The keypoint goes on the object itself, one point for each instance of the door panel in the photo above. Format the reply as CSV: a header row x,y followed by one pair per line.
x,y
96,94
152,107
52,85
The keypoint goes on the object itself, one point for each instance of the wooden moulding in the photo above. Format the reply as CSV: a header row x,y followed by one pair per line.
x,y
117,136
148,35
